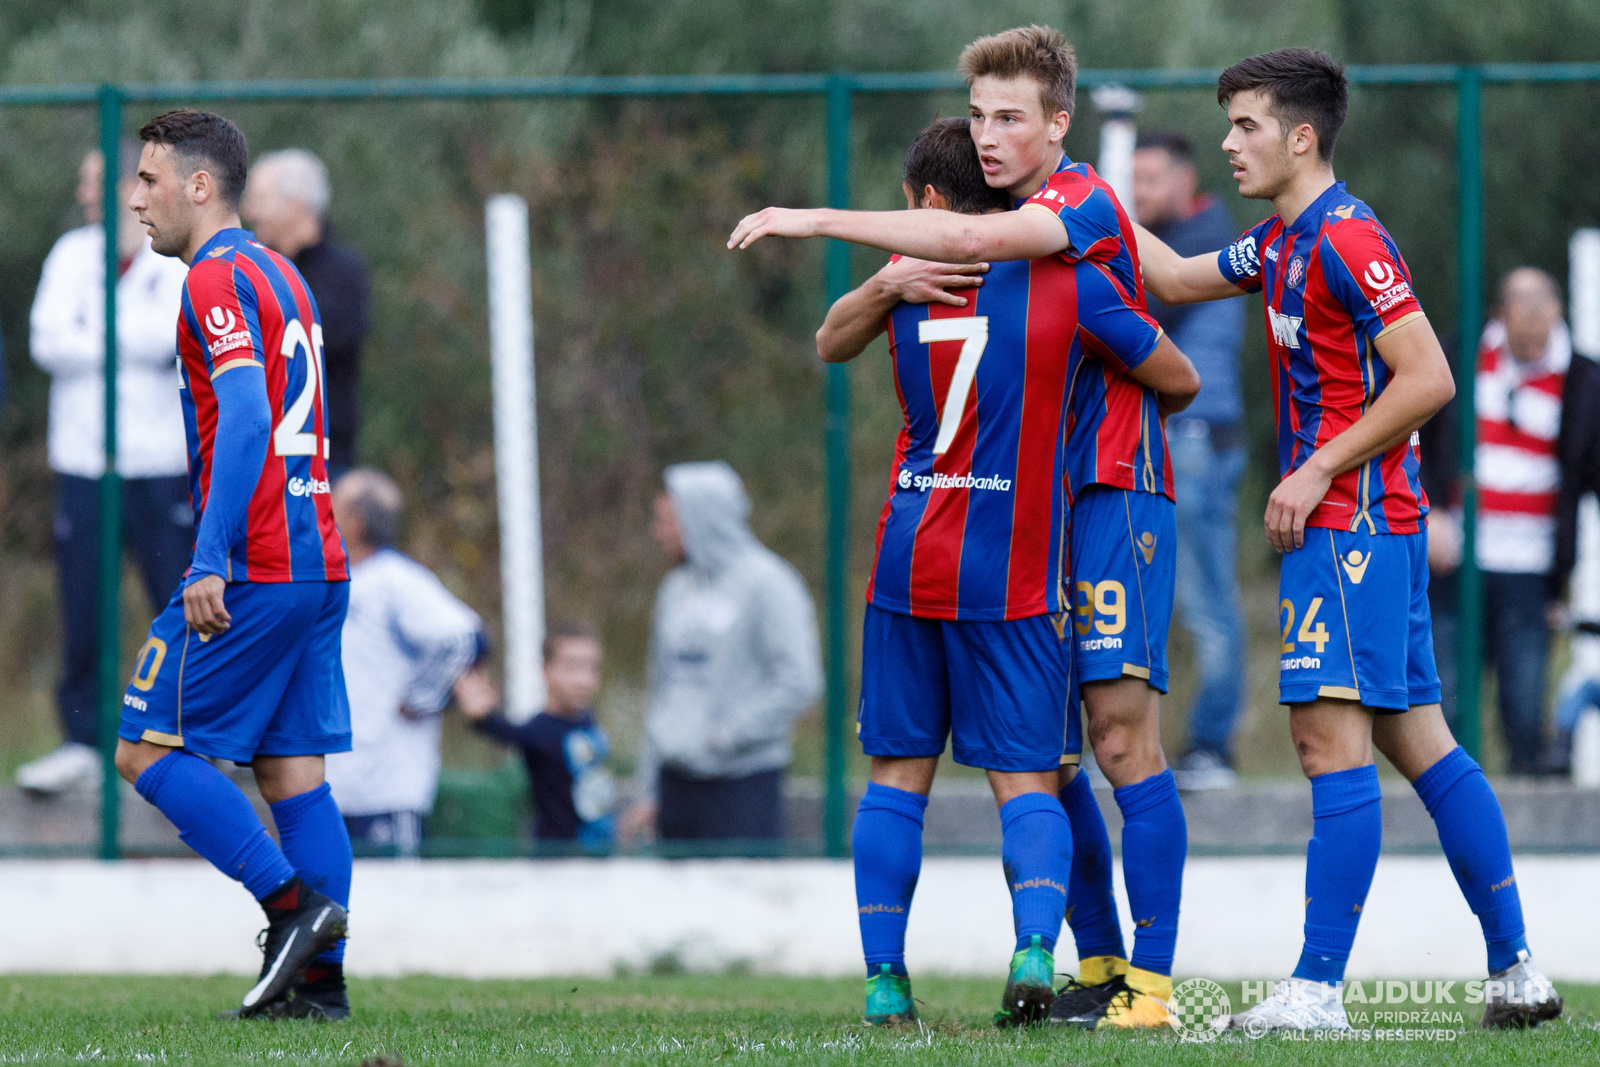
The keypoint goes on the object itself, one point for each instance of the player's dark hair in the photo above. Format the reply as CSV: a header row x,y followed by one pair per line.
x,y
1305,86
1037,52
1172,142
203,141
944,157
566,630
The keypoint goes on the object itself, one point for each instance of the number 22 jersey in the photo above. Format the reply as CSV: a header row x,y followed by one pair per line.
x,y
246,306
974,528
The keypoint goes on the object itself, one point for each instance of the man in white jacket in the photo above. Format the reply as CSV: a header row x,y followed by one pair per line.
x,y
68,341
406,642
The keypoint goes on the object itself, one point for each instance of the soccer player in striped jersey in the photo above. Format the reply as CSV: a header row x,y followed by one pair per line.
x,y
972,563
244,662
1119,484
1356,369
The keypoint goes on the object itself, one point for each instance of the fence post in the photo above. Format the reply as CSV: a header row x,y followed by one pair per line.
x,y
108,669
838,464
1469,321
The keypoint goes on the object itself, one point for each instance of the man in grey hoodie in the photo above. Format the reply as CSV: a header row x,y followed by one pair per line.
x,y
734,659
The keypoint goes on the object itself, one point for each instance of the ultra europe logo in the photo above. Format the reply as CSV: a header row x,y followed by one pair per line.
x,y
923,482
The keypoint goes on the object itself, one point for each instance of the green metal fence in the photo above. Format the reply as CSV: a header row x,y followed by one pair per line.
x,y
837,91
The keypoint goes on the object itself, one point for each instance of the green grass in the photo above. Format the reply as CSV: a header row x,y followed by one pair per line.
x,y
666,1020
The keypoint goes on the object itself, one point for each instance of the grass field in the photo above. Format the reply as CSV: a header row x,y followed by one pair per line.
x,y
666,1020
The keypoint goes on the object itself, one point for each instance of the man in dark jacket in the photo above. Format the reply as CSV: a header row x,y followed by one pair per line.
x,y
1578,451
285,201
1207,447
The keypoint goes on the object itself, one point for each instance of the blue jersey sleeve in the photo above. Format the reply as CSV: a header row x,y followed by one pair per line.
x,y
1240,262
1119,332
1087,211
239,450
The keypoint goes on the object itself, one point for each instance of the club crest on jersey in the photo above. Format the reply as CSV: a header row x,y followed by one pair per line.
x,y
1296,273
1147,546
1355,565
1285,328
219,321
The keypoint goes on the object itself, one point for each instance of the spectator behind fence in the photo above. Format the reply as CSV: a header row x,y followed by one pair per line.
x,y
1578,451
1207,447
1522,365
564,747
733,662
406,642
68,341
285,202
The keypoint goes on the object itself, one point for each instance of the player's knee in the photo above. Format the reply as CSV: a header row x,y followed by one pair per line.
x,y
132,760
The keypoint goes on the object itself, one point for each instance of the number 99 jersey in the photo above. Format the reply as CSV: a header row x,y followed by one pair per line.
x,y
245,305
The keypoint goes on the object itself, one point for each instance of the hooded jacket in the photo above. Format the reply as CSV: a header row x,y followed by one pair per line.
x,y
734,655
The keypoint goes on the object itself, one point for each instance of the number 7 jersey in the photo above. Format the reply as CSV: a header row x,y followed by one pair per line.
x,y
975,523
245,305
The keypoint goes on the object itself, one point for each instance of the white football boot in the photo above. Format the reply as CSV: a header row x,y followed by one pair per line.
x,y
1519,997
1295,1004
72,766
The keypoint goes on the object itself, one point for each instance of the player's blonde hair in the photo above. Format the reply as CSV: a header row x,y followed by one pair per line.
x,y
1040,53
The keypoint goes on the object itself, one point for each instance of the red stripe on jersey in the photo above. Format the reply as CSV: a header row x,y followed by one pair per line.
x,y
267,534
1052,313
1497,432
1517,503
936,556
902,441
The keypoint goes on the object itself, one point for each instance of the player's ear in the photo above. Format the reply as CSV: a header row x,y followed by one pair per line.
x,y
1059,123
201,187
933,198
1303,139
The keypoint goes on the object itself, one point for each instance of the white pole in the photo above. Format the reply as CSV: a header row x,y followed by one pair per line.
x,y
1583,286
1118,134
516,450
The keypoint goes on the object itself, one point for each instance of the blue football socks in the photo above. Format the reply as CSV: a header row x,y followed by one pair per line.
x,y
1347,821
1036,851
1472,831
315,840
1091,907
1155,841
216,820
887,846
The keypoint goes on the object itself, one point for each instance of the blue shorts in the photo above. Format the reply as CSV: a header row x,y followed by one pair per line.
x,y
1124,553
270,685
1353,608
998,690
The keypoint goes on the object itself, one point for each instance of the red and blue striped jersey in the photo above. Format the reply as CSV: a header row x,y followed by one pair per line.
x,y
244,305
975,523
1334,283
1116,436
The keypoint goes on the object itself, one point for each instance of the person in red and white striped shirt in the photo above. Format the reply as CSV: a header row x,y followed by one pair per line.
x,y
1522,366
